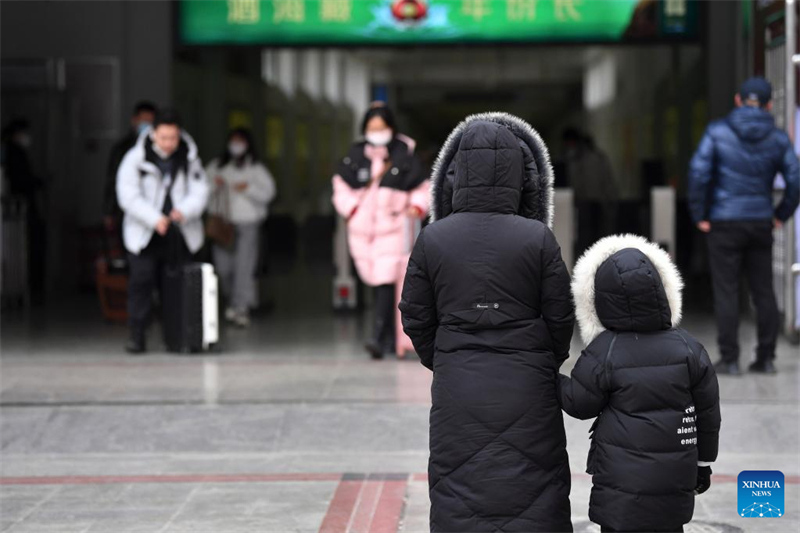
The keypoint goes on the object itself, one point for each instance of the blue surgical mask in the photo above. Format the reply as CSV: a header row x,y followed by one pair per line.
x,y
142,127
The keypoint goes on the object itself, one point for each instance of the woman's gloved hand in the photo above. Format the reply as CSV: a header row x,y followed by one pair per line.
x,y
703,479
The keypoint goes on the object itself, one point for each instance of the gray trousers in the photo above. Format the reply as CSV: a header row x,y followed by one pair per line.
x,y
236,267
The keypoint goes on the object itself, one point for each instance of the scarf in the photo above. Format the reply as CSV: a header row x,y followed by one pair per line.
x,y
378,156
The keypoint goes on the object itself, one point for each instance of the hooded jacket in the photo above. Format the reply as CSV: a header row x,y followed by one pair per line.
x,y
732,173
651,385
486,304
142,189
375,207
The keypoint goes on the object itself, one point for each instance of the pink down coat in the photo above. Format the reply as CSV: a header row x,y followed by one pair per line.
x,y
373,191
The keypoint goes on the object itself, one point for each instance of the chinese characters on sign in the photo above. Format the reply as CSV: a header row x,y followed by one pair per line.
x,y
521,10
475,9
525,10
567,10
288,11
244,11
420,22
336,10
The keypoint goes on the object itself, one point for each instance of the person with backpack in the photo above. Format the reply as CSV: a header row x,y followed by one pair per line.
x,y
486,303
650,384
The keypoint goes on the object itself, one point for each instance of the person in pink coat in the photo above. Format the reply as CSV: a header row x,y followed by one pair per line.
x,y
380,189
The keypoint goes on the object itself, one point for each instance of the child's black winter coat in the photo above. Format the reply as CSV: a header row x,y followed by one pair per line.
x,y
651,385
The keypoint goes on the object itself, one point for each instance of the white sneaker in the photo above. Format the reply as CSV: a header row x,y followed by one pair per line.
x,y
230,314
242,319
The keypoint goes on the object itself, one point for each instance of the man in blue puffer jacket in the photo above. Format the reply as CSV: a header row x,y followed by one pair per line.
x,y
731,179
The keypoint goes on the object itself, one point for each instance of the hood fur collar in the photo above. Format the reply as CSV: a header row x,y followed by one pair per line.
x,y
525,132
583,276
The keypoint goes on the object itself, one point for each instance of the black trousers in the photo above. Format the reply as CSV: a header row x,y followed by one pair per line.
x,y
734,248
384,332
147,273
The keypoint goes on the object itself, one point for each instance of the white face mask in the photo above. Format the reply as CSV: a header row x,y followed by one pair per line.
x,y
237,148
379,138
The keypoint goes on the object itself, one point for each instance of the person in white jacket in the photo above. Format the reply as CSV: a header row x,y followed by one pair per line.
x,y
242,190
163,191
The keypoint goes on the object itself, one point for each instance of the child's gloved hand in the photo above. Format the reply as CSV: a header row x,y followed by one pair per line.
x,y
703,479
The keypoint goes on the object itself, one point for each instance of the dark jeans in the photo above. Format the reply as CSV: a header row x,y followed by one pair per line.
x,y
384,333
146,274
734,247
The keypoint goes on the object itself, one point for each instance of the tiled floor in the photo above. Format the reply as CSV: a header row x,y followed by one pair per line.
x,y
290,428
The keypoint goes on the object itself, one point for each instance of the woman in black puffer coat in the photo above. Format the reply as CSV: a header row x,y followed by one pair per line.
x,y
486,303
652,385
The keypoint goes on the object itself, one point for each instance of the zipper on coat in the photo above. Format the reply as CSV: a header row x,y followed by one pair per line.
x,y
605,363
158,194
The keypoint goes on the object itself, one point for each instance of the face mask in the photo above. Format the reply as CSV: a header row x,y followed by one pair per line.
x,y
379,138
236,148
141,127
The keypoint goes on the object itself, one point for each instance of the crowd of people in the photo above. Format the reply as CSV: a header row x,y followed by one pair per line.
x,y
487,301
163,204
158,192
161,192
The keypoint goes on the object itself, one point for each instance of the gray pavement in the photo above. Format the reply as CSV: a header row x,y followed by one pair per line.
x,y
290,428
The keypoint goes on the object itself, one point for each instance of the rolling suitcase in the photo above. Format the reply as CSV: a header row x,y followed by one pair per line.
x,y
189,307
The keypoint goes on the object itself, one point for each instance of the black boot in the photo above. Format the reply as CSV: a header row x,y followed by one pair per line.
x,y
388,344
374,350
763,366
383,343
136,343
375,346
730,368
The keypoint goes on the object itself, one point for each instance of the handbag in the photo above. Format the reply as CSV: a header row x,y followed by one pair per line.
x,y
219,228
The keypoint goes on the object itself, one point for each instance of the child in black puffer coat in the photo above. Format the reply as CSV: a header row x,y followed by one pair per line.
x,y
651,386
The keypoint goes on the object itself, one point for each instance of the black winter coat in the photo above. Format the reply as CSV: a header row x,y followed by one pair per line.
x,y
486,304
651,385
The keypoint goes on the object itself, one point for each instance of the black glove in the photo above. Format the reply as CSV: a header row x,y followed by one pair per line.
x,y
703,479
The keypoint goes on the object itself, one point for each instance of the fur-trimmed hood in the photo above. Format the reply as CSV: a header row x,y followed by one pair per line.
x,y
626,283
493,162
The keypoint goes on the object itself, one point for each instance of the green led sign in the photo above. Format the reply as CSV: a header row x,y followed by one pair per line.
x,y
414,22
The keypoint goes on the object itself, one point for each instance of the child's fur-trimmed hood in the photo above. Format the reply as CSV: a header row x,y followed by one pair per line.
x,y
640,282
